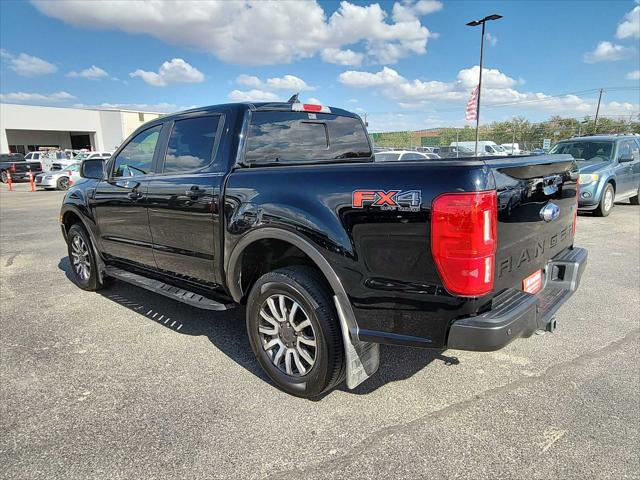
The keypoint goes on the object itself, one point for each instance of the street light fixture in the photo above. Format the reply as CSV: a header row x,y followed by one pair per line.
x,y
475,23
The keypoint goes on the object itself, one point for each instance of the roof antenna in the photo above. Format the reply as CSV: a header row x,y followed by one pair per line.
x,y
294,98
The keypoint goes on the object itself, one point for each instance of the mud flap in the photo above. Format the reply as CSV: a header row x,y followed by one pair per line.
x,y
363,358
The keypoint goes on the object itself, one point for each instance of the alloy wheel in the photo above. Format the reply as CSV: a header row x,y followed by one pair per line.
x,y
80,258
287,335
608,199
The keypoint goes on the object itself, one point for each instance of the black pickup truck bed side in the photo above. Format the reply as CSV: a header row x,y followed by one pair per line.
x,y
282,207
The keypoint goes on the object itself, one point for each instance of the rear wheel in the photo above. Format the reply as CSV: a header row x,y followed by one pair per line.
x,y
62,183
606,201
83,262
294,331
4,176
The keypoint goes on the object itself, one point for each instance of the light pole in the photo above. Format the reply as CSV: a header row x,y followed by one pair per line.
x,y
475,23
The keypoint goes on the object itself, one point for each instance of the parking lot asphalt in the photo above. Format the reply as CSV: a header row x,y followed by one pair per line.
x,y
125,384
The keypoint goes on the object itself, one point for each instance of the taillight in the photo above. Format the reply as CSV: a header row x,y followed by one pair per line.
x,y
575,212
463,241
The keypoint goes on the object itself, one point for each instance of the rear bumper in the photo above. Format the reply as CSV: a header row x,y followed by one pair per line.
x,y
518,314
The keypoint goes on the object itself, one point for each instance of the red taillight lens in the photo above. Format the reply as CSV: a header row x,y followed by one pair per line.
x,y
463,241
310,107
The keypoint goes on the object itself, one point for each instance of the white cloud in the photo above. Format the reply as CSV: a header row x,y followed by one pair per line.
x,y
491,78
91,73
607,51
288,82
22,97
491,39
408,11
146,107
174,71
630,26
635,75
242,32
249,81
498,89
313,101
342,57
27,65
254,95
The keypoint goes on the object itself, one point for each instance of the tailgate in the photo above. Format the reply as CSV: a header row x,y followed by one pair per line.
x,y
23,167
530,188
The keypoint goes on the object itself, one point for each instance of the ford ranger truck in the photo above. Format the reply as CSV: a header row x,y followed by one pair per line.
x,y
280,207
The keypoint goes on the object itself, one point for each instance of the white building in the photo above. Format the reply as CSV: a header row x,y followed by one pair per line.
x,y
25,128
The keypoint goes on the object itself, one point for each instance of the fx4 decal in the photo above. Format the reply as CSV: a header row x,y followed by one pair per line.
x,y
408,200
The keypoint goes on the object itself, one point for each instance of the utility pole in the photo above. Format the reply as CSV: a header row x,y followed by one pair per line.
x,y
595,124
475,23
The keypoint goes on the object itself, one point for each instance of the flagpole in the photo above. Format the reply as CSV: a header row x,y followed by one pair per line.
x,y
475,23
479,90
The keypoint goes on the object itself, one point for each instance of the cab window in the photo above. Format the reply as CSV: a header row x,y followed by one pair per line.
x,y
136,158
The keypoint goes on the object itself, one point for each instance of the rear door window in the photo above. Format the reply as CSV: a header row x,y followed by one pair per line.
x,y
300,137
191,144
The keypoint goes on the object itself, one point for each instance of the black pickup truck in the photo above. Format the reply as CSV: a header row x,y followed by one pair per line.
x,y
281,208
14,164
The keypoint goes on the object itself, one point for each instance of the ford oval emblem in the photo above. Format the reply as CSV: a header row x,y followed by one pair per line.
x,y
550,212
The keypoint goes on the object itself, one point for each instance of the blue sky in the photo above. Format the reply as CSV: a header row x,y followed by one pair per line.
x,y
407,64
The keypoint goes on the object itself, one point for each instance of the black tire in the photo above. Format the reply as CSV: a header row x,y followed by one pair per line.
x,y
4,176
305,286
636,199
62,183
92,281
605,206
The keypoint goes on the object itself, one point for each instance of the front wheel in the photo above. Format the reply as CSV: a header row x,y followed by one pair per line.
x,y
62,183
4,176
83,262
606,201
294,331
635,200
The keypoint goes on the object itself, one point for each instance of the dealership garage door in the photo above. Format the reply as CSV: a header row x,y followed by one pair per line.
x,y
23,141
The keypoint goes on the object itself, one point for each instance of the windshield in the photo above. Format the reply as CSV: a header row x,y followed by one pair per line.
x,y
499,148
81,156
73,168
585,150
387,157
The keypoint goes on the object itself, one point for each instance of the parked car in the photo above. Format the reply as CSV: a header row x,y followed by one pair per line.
x,y
280,207
512,149
59,179
486,148
425,149
453,152
609,170
63,164
17,166
399,156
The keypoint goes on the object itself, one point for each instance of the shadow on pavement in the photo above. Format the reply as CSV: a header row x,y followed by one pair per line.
x,y
226,330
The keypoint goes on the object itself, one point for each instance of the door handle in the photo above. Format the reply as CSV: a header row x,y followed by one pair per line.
x,y
134,195
195,192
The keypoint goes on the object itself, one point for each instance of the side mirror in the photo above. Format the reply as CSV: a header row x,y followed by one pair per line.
x,y
625,157
93,168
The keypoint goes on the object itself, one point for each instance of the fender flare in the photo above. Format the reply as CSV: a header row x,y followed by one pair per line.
x,y
234,264
70,208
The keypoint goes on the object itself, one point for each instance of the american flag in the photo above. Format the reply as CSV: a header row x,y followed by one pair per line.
x,y
471,113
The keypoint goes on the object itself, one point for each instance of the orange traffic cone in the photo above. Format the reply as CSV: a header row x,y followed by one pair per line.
x,y
32,182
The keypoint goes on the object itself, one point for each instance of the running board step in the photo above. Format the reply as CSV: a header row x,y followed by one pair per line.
x,y
175,293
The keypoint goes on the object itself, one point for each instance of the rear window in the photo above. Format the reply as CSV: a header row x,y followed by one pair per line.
x,y
301,137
